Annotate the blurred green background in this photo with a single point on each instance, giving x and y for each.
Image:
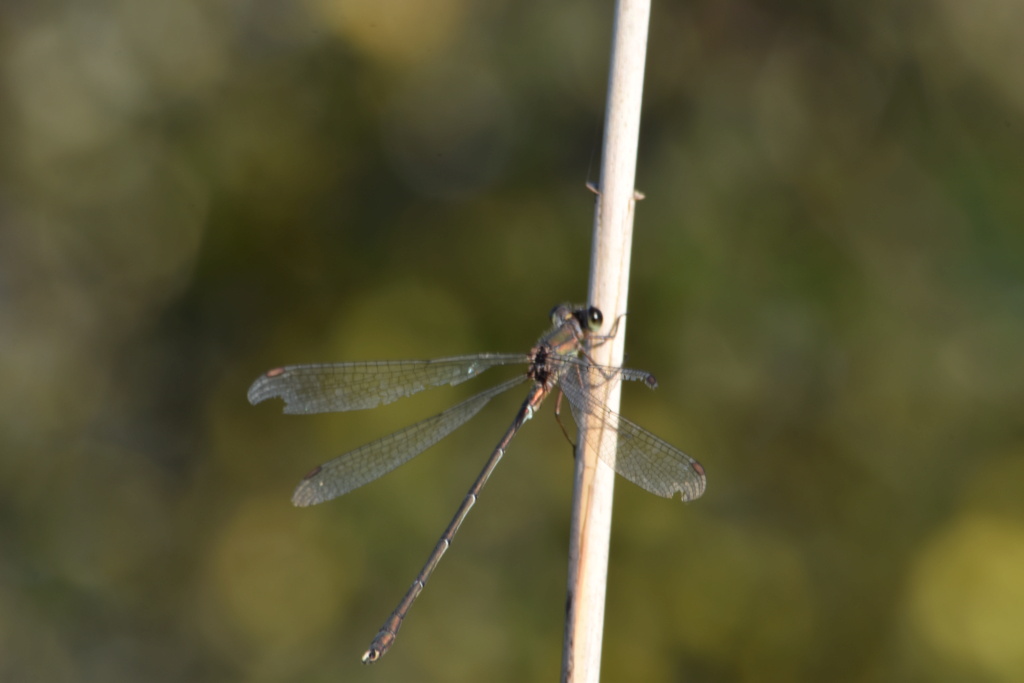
(827, 282)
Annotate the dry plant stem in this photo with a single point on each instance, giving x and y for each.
(609, 286)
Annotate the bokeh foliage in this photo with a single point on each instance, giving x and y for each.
(828, 282)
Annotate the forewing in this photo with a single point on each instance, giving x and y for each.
(639, 456)
(330, 387)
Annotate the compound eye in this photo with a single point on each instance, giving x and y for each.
(594, 319)
(558, 314)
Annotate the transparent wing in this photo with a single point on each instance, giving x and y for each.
(330, 387)
(640, 457)
(377, 458)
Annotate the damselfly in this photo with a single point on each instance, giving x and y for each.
(558, 360)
